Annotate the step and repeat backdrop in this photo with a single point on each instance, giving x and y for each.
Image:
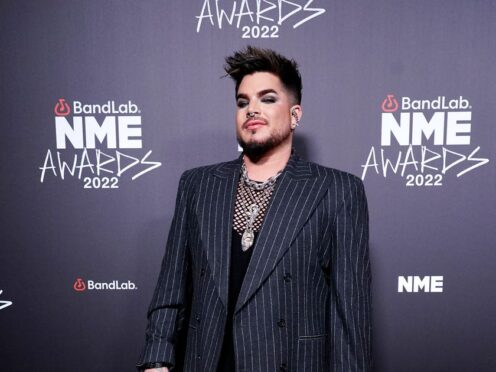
(105, 103)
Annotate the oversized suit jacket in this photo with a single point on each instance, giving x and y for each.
(304, 304)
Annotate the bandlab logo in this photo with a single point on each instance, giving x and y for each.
(90, 143)
(62, 108)
(79, 285)
(115, 285)
(390, 104)
(4, 304)
(431, 137)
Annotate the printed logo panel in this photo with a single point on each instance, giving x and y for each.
(416, 284)
(98, 144)
(424, 141)
(91, 285)
(257, 19)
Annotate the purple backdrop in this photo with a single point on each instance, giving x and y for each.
(104, 104)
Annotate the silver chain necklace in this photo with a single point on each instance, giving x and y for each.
(248, 236)
(258, 185)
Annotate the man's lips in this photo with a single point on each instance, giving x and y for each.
(254, 124)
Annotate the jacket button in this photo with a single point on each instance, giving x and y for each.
(283, 367)
(281, 323)
(202, 272)
(287, 277)
(197, 317)
(198, 356)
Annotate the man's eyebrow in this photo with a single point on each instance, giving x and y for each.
(260, 94)
(266, 91)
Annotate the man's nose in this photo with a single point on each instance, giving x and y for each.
(253, 107)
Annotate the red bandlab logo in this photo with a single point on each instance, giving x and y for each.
(79, 285)
(115, 285)
(62, 108)
(390, 104)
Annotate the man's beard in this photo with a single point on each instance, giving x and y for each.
(256, 149)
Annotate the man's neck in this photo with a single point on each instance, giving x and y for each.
(266, 166)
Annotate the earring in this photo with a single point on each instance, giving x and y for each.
(295, 115)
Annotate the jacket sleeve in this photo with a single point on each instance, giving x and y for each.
(166, 314)
(350, 316)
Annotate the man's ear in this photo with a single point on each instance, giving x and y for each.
(296, 114)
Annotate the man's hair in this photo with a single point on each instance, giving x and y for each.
(251, 59)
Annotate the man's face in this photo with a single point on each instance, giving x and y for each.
(263, 116)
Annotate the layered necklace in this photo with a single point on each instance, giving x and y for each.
(251, 203)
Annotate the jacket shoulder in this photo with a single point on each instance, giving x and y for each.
(194, 175)
(335, 176)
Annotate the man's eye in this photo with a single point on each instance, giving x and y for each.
(268, 99)
(241, 104)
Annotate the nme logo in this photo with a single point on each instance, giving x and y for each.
(115, 285)
(97, 143)
(446, 127)
(120, 128)
(423, 140)
(414, 284)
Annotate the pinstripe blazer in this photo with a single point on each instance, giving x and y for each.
(304, 304)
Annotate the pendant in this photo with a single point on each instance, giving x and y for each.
(247, 239)
(248, 235)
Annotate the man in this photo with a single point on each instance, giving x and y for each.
(266, 266)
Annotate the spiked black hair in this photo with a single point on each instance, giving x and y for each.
(251, 59)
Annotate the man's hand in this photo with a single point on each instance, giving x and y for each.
(161, 369)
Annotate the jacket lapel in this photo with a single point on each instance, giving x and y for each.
(215, 214)
(296, 195)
